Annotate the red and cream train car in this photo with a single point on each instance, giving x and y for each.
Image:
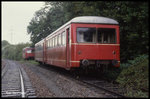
(82, 42)
(28, 53)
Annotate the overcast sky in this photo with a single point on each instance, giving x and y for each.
(15, 19)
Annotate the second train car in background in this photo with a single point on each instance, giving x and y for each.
(28, 53)
(86, 41)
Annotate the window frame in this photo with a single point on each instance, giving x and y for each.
(63, 38)
(96, 35)
(109, 36)
(95, 41)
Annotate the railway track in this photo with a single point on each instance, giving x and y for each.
(4, 69)
(15, 82)
(110, 89)
(97, 80)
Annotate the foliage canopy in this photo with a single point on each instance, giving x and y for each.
(132, 18)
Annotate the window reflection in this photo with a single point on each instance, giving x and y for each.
(86, 34)
(106, 35)
(99, 35)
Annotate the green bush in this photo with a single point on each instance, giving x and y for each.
(135, 76)
(13, 52)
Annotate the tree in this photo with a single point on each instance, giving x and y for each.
(13, 52)
(132, 18)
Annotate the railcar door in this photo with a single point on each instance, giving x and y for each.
(67, 48)
(44, 52)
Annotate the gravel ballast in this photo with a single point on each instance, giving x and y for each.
(49, 83)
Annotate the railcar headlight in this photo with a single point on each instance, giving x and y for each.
(85, 62)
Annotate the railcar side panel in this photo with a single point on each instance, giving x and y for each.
(39, 56)
(58, 55)
(39, 53)
(75, 50)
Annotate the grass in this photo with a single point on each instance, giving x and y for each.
(135, 79)
(29, 61)
(33, 62)
(133, 76)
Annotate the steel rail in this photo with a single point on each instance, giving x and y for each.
(22, 84)
(109, 91)
(4, 71)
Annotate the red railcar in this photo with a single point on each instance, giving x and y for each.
(86, 41)
(28, 53)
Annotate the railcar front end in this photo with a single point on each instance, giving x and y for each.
(95, 45)
(28, 53)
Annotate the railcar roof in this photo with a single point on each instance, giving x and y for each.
(87, 19)
(26, 47)
(93, 19)
(41, 41)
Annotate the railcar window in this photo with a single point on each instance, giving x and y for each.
(106, 35)
(47, 43)
(41, 46)
(28, 51)
(37, 47)
(86, 34)
(64, 38)
(56, 41)
(59, 40)
(50, 43)
(53, 41)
